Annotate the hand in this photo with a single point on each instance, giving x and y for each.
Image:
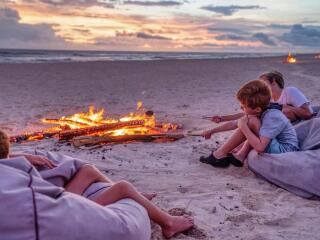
(38, 160)
(207, 134)
(216, 119)
(243, 122)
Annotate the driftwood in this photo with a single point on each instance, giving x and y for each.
(34, 136)
(95, 140)
(67, 121)
(67, 135)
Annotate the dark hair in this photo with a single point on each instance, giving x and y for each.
(254, 94)
(4, 145)
(274, 76)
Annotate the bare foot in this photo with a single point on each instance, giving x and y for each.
(149, 196)
(176, 225)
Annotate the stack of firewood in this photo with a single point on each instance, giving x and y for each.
(90, 136)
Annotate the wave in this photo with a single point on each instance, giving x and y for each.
(48, 56)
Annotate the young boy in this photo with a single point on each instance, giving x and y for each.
(263, 128)
(89, 174)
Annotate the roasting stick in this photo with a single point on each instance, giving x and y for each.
(193, 134)
(206, 118)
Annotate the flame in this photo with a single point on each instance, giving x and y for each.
(291, 59)
(96, 118)
(317, 56)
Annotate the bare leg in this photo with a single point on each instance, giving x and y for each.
(254, 125)
(170, 225)
(87, 175)
(148, 195)
(235, 140)
(243, 152)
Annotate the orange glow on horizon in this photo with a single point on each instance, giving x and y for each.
(88, 26)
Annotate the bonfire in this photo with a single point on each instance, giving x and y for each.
(92, 128)
(290, 58)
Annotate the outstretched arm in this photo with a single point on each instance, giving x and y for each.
(231, 125)
(225, 118)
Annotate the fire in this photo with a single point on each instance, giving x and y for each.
(95, 118)
(317, 56)
(290, 58)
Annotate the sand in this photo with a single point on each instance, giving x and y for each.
(227, 204)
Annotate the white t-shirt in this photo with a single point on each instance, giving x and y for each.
(294, 97)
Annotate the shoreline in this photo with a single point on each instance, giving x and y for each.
(282, 56)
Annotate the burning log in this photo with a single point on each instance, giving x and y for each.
(64, 122)
(67, 135)
(32, 136)
(95, 140)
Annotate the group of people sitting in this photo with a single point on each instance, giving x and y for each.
(264, 125)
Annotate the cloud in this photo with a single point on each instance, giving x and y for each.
(21, 35)
(232, 37)
(150, 36)
(238, 26)
(260, 37)
(77, 3)
(265, 39)
(142, 35)
(229, 10)
(237, 30)
(154, 3)
(279, 26)
(300, 35)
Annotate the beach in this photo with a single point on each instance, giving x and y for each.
(229, 203)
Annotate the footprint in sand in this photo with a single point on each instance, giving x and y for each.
(240, 218)
(251, 202)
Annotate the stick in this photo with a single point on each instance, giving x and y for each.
(94, 140)
(67, 135)
(34, 135)
(207, 118)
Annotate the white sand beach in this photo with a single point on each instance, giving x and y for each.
(226, 203)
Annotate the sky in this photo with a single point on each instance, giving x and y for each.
(155, 25)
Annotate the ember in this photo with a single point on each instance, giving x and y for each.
(290, 58)
(95, 128)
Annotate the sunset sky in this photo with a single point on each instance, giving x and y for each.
(176, 25)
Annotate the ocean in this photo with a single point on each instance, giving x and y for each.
(50, 56)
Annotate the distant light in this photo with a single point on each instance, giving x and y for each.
(290, 59)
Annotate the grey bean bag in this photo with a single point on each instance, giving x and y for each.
(33, 205)
(297, 172)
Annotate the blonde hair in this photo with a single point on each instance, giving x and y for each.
(274, 76)
(255, 94)
(4, 145)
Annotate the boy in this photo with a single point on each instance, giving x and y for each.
(263, 128)
(88, 174)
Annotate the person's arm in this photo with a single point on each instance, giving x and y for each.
(257, 143)
(231, 125)
(36, 160)
(293, 113)
(225, 118)
(298, 106)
